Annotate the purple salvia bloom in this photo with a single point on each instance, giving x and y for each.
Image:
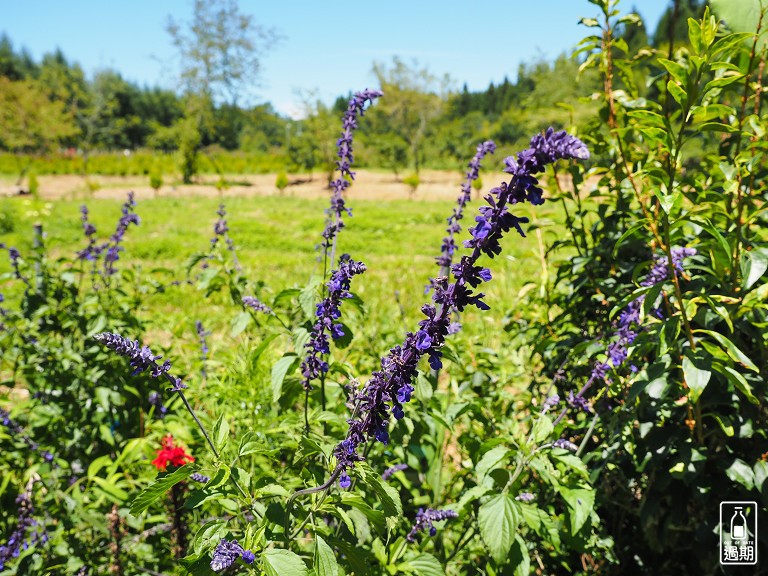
(313, 366)
(355, 109)
(449, 246)
(221, 230)
(141, 357)
(396, 468)
(15, 256)
(390, 387)
(15, 429)
(424, 520)
(225, 555)
(565, 444)
(525, 497)
(578, 402)
(26, 533)
(345, 481)
(92, 251)
(202, 335)
(113, 246)
(197, 477)
(249, 557)
(550, 403)
(256, 304)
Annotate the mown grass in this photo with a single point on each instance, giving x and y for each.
(276, 239)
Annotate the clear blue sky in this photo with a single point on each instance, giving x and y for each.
(327, 46)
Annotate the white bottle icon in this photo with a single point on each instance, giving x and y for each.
(738, 525)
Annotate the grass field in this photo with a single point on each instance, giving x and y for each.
(276, 238)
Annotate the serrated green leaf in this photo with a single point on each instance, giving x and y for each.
(220, 477)
(308, 298)
(208, 535)
(542, 429)
(325, 560)
(519, 557)
(424, 565)
(163, 483)
(498, 518)
(678, 93)
(279, 562)
(388, 495)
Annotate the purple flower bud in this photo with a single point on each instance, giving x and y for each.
(424, 520)
(525, 497)
(565, 445)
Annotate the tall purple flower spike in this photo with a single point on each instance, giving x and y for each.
(391, 387)
(113, 246)
(313, 366)
(448, 247)
(424, 520)
(335, 223)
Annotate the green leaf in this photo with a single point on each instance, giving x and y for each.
(678, 93)
(279, 562)
(284, 365)
(208, 535)
(221, 432)
(308, 297)
(754, 265)
(735, 354)
(163, 483)
(389, 496)
(580, 503)
(741, 473)
(424, 565)
(697, 370)
(240, 323)
(220, 477)
(423, 388)
(740, 15)
(494, 458)
(110, 488)
(519, 557)
(542, 429)
(498, 518)
(716, 127)
(325, 560)
(677, 71)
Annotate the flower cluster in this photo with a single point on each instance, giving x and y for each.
(618, 350)
(425, 519)
(355, 109)
(221, 230)
(113, 246)
(313, 366)
(448, 247)
(201, 478)
(226, 553)
(92, 251)
(256, 304)
(141, 357)
(171, 455)
(26, 533)
(15, 256)
(391, 470)
(202, 335)
(16, 430)
(390, 387)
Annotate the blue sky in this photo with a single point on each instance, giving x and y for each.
(328, 47)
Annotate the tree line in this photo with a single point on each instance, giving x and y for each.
(51, 105)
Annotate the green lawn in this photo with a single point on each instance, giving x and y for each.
(276, 239)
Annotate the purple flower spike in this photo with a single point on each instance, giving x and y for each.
(448, 247)
(141, 357)
(355, 109)
(225, 555)
(396, 468)
(424, 520)
(525, 497)
(256, 304)
(565, 445)
(391, 386)
(113, 246)
(313, 366)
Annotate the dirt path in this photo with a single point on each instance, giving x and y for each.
(436, 185)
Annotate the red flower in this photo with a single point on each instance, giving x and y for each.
(171, 455)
